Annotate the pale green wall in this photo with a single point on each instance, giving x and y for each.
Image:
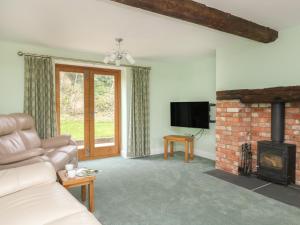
(11, 81)
(172, 80)
(248, 64)
(187, 80)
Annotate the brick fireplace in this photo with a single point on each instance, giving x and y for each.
(248, 120)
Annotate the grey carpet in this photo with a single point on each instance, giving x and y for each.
(152, 191)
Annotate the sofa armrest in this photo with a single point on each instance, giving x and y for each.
(16, 157)
(57, 141)
(16, 179)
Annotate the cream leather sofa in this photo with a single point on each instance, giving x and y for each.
(30, 195)
(20, 144)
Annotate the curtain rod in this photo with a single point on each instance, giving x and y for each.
(20, 53)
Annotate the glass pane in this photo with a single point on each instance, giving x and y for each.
(271, 160)
(72, 105)
(104, 87)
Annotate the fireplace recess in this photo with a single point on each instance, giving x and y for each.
(276, 160)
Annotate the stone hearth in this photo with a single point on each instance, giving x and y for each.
(238, 123)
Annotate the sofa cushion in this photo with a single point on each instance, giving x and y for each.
(30, 138)
(26, 129)
(11, 143)
(7, 125)
(16, 157)
(16, 179)
(38, 205)
(24, 121)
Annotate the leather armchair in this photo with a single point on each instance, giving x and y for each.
(20, 144)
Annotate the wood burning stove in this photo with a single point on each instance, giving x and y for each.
(276, 160)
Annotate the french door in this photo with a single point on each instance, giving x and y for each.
(88, 108)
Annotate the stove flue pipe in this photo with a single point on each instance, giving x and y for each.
(278, 122)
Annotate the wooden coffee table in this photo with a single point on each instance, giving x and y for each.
(77, 182)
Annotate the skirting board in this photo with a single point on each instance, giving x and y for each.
(159, 151)
(153, 152)
(207, 155)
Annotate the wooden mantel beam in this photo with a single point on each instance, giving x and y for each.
(201, 14)
(267, 95)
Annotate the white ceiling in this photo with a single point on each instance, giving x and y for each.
(92, 25)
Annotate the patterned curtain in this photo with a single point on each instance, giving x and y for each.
(139, 129)
(39, 96)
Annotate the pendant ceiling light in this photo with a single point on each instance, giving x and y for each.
(118, 55)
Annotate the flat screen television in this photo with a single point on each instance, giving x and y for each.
(190, 114)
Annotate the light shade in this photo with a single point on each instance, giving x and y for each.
(106, 60)
(113, 57)
(129, 58)
(118, 62)
(118, 55)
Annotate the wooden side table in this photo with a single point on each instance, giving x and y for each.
(188, 146)
(79, 181)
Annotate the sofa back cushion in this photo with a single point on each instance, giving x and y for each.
(11, 144)
(26, 129)
(30, 138)
(10, 140)
(7, 125)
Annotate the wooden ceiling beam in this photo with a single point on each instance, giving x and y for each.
(201, 14)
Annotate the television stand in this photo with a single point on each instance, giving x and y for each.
(188, 146)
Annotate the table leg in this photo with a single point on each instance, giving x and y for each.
(91, 197)
(172, 149)
(186, 152)
(192, 149)
(166, 149)
(83, 193)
